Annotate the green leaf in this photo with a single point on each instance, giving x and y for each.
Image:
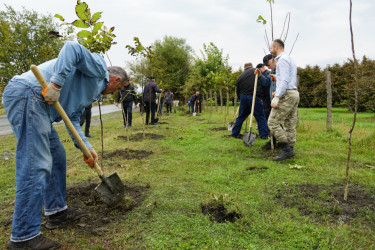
(84, 33)
(261, 20)
(60, 17)
(80, 24)
(83, 11)
(95, 17)
(97, 28)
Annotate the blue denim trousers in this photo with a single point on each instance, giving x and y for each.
(40, 161)
(244, 112)
(128, 112)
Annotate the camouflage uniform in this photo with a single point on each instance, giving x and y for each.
(285, 114)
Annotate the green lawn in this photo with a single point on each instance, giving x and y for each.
(193, 162)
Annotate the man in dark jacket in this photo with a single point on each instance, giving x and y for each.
(199, 101)
(168, 99)
(127, 96)
(86, 117)
(149, 99)
(245, 90)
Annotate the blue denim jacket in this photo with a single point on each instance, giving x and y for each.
(82, 76)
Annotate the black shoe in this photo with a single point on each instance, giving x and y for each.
(264, 137)
(39, 242)
(267, 146)
(152, 123)
(89, 136)
(286, 153)
(64, 217)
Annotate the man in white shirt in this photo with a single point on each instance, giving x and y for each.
(285, 102)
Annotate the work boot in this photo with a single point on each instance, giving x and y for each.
(39, 242)
(63, 218)
(286, 153)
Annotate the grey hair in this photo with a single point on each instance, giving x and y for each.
(118, 71)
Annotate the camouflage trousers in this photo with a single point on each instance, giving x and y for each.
(286, 115)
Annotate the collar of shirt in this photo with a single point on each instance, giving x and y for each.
(280, 55)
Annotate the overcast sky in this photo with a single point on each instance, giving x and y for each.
(323, 26)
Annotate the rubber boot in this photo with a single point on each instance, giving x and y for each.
(286, 153)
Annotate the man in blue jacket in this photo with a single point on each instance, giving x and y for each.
(76, 79)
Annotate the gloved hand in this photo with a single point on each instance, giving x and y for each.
(116, 104)
(273, 94)
(275, 102)
(273, 77)
(51, 93)
(257, 71)
(89, 161)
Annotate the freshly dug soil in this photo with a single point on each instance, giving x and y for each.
(139, 137)
(326, 202)
(218, 129)
(257, 169)
(219, 213)
(82, 196)
(123, 153)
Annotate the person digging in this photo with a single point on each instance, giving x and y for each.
(76, 79)
(149, 99)
(285, 102)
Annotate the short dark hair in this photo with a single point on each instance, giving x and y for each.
(259, 65)
(152, 77)
(266, 59)
(279, 42)
(248, 64)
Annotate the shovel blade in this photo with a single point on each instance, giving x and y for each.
(112, 190)
(249, 139)
(230, 126)
(194, 114)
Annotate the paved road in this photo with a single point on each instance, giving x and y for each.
(5, 128)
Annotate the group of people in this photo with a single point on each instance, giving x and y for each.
(76, 79)
(276, 99)
(194, 103)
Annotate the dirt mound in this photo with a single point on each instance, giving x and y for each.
(219, 213)
(123, 153)
(326, 202)
(139, 137)
(83, 196)
(218, 129)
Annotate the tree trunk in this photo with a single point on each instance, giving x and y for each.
(227, 101)
(221, 100)
(329, 100)
(211, 98)
(207, 101)
(216, 108)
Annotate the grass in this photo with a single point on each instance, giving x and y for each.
(194, 162)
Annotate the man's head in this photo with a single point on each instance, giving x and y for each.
(248, 65)
(267, 61)
(118, 78)
(169, 91)
(277, 47)
(152, 78)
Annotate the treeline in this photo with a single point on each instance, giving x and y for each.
(25, 39)
(312, 85)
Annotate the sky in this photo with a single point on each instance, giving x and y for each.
(322, 26)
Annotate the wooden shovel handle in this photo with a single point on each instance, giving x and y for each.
(66, 119)
(253, 104)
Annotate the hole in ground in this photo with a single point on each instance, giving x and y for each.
(219, 213)
(139, 137)
(123, 153)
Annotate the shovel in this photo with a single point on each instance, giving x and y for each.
(249, 138)
(111, 189)
(231, 124)
(194, 113)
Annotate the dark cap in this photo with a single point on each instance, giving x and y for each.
(266, 59)
(259, 65)
(152, 78)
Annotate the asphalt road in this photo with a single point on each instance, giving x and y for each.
(5, 128)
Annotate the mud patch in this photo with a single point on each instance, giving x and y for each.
(123, 154)
(219, 213)
(326, 202)
(139, 137)
(82, 196)
(218, 129)
(257, 169)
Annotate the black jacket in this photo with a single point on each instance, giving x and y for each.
(245, 83)
(151, 86)
(128, 93)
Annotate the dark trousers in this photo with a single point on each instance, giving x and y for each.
(199, 106)
(267, 106)
(86, 116)
(127, 115)
(147, 108)
(244, 112)
(169, 107)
